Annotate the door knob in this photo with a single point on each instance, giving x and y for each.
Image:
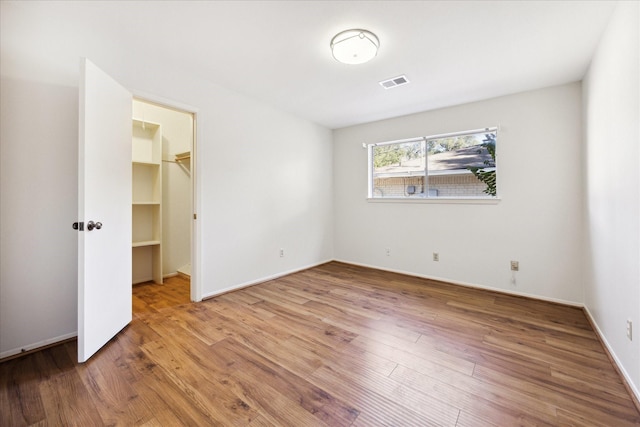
(91, 225)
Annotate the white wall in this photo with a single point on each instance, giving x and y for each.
(537, 222)
(264, 183)
(177, 137)
(38, 204)
(612, 202)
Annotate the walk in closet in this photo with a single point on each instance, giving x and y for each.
(162, 192)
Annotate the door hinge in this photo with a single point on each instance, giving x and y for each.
(195, 216)
(78, 226)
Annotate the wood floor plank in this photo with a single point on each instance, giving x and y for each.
(475, 397)
(162, 400)
(110, 390)
(334, 345)
(191, 377)
(201, 325)
(339, 318)
(306, 328)
(466, 419)
(544, 353)
(150, 297)
(250, 303)
(261, 421)
(64, 397)
(431, 408)
(436, 365)
(20, 397)
(563, 396)
(374, 408)
(252, 367)
(341, 299)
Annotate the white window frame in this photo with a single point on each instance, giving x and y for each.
(426, 198)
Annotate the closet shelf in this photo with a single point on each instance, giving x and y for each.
(183, 156)
(137, 162)
(145, 243)
(146, 200)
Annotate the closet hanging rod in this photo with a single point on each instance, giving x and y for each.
(183, 156)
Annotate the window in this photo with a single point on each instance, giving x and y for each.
(456, 165)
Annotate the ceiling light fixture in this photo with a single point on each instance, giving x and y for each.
(354, 46)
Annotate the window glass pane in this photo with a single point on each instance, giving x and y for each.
(462, 166)
(399, 169)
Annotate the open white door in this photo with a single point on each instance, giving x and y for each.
(104, 197)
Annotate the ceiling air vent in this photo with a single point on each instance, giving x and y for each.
(394, 82)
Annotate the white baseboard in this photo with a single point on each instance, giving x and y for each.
(468, 285)
(37, 345)
(261, 280)
(629, 381)
(141, 280)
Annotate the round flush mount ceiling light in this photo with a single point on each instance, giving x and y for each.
(354, 46)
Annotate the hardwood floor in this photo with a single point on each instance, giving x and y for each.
(151, 298)
(335, 345)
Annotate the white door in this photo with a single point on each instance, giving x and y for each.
(104, 196)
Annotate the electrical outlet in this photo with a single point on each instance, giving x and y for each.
(630, 329)
(281, 253)
(436, 256)
(515, 266)
(388, 251)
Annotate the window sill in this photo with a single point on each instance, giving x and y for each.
(438, 200)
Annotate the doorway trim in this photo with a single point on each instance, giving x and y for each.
(196, 285)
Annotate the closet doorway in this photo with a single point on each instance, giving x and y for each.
(163, 151)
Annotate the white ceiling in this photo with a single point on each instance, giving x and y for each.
(453, 52)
